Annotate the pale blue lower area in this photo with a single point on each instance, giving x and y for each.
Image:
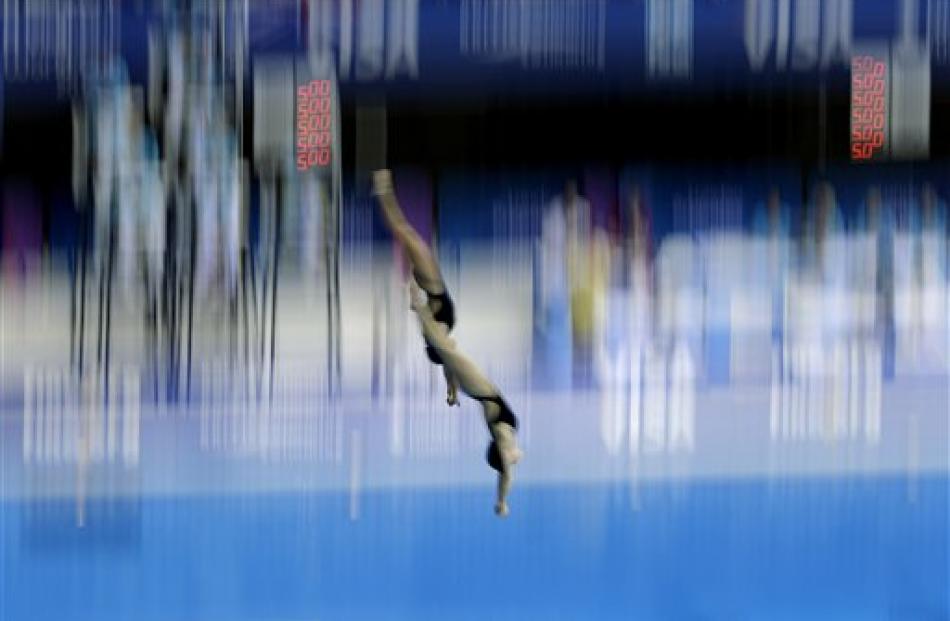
(794, 548)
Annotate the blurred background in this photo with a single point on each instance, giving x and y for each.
(699, 245)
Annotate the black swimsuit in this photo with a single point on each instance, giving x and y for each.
(445, 315)
(493, 456)
(506, 415)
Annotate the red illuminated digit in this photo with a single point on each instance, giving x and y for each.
(878, 139)
(323, 139)
(323, 156)
(856, 151)
(322, 105)
(312, 157)
(878, 70)
(323, 122)
(324, 88)
(878, 86)
(878, 104)
(878, 121)
(302, 161)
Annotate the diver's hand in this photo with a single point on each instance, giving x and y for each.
(501, 509)
(417, 301)
(382, 182)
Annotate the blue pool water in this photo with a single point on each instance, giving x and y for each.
(802, 548)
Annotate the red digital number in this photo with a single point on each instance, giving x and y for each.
(313, 124)
(321, 105)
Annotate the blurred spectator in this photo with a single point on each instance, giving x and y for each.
(565, 299)
(22, 236)
(772, 219)
(933, 232)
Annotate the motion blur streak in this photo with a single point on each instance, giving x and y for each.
(701, 248)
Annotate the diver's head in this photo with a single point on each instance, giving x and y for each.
(503, 451)
(493, 457)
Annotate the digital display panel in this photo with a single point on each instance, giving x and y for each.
(314, 124)
(869, 112)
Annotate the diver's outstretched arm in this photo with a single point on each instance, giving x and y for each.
(504, 485)
(506, 443)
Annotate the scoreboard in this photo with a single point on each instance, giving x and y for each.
(890, 102)
(314, 124)
(869, 92)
